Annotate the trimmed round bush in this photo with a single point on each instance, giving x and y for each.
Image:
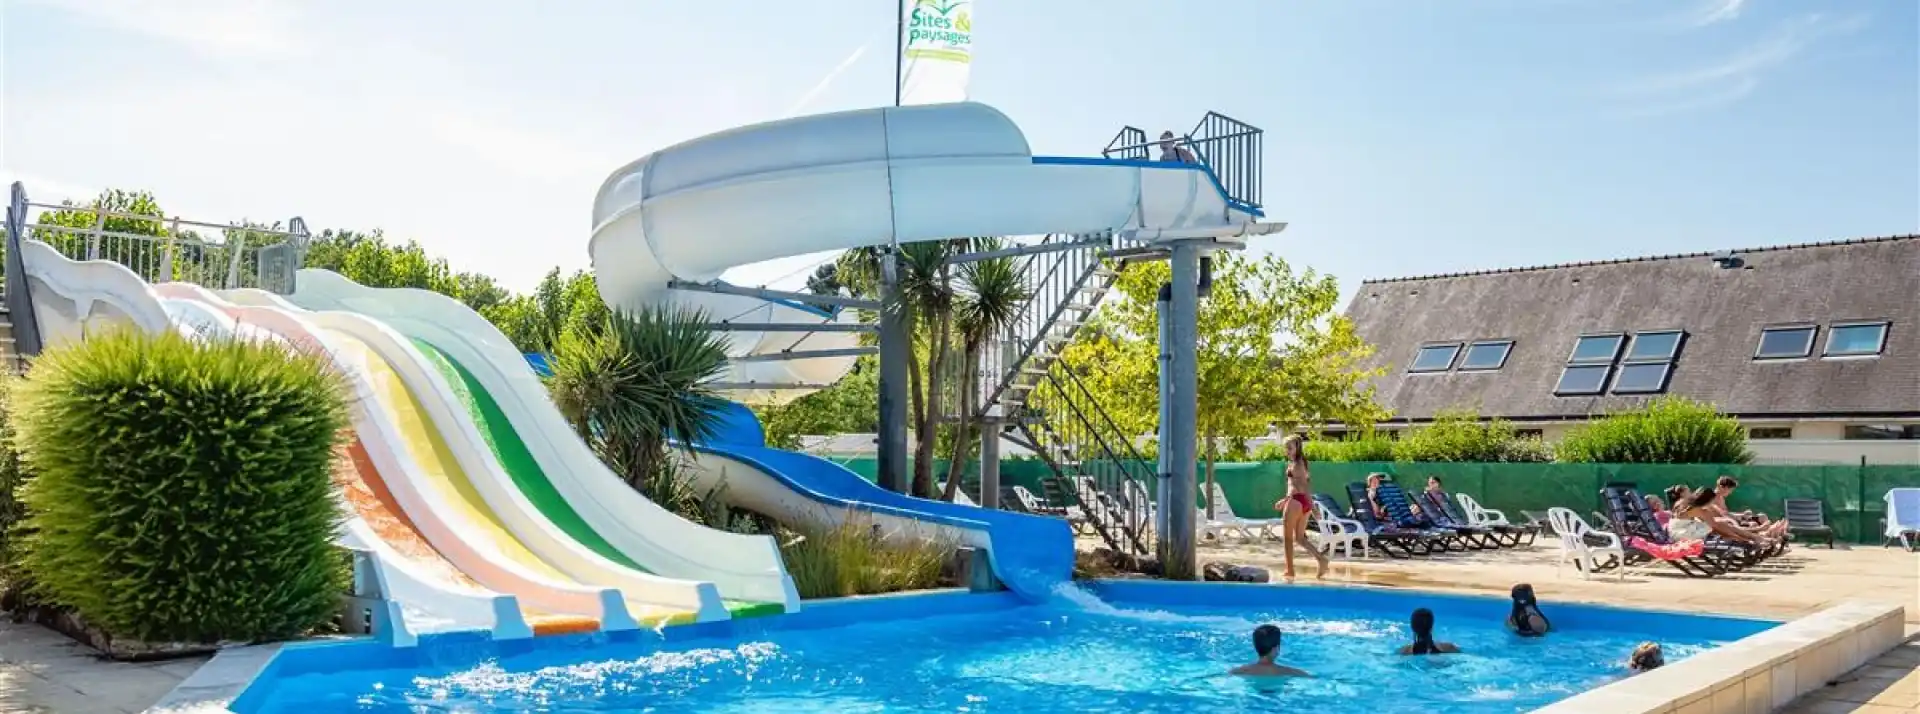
(182, 487)
(1669, 430)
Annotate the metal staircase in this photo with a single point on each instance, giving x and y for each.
(1021, 376)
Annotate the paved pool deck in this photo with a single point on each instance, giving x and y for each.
(43, 672)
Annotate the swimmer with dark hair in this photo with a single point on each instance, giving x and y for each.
(1526, 620)
(1266, 644)
(1423, 643)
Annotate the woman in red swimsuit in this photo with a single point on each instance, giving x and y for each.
(1298, 504)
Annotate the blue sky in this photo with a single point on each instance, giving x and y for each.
(1403, 136)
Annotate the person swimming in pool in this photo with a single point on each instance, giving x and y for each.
(1266, 644)
(1423, 643)
(1646, 658)
(1298, 506)
(1526, 620)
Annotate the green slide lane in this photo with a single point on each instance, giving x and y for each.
(532, 481)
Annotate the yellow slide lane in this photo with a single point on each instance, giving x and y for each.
(443, 481)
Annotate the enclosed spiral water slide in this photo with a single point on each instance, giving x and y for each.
(667, 225)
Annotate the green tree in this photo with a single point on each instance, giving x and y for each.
(847, 407)
(925, 282)
(993, 292)
(630, 385)
(1271, 353)
(1667, 430)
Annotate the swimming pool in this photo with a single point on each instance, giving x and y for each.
(1137, 647)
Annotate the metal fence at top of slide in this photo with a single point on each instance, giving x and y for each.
(162, 248)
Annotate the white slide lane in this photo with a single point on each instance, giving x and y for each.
(420, 603)
(73, 297)
(743, 567)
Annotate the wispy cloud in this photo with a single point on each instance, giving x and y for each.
(1715, 11)
(228, 28)
(1717, 97)
(1735, 76)
(821, 86)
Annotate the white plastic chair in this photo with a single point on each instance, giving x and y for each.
(1247, 527)
(1575, 549)
(1478, 515)
(1903, 517)
(1340, 533)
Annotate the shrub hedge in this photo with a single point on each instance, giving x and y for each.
(182, 487)
(1669, 430)
(12, 477)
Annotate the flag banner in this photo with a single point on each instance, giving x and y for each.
(937, 53)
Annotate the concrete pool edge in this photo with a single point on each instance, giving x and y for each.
(213, 688)
(1760, 673)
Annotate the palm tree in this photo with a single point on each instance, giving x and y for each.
(925, 282)
(996, 292)
(637, 382)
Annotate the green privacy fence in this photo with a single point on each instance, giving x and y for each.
(1853, 494)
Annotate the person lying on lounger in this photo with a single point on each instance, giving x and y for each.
(1696, 517)
(1748, 519)
(1266, 644)
(1423, 643)
(1373, 494)
(1659, 509)
(1526, 620)
(1645, 658)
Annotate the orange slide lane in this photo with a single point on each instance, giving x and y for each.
(363, 487)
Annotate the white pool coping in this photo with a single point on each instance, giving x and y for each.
(212, 689)
(1757, 674)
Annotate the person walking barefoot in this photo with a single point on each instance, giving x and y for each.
(1298, 504)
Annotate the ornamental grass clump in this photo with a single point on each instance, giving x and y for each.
(181, 487)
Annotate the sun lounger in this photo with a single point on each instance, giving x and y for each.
(1032, 504)
(1903, 517)
(1574, 548)
(1102, 513)
(959, 495)
(1433, 508)
(1469, 512)
(1808, 517)
(1400, 511)
(1395, 541)
(1249, 527)
(1644, 539)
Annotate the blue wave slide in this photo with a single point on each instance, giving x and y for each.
(1030, 554)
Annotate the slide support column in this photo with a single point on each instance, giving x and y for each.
(896, 358)
(990, 461)
(1183, 407)
(1163, 464)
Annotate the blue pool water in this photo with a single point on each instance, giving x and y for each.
(1145, 648)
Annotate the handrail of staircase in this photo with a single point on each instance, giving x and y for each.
(19, 299)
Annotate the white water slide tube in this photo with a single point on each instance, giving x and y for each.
(744, 568)
(864, 178)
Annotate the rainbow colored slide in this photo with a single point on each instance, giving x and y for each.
(466, 531)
